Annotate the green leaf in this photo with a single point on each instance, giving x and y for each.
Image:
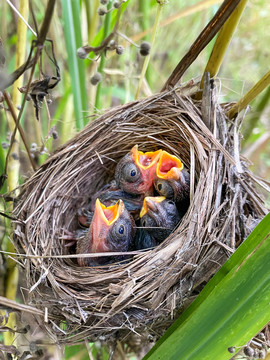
(232, 308)
(73, 39)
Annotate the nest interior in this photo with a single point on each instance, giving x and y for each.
(144, 294)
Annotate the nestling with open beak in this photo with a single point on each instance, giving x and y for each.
(159, 217)
(135, 171)
(112, 229)
(171, 179)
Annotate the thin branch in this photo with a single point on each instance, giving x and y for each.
(40, 41)
(15, 118)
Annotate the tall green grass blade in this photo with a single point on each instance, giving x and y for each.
(232, 308)
(73, 40)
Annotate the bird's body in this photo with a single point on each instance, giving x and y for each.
(159, 217)
(144, 240)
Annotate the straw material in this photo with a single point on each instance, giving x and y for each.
(145, 293)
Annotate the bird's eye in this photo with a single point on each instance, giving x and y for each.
(164, 188)
(121, 229)
(170, 202)
(130, 173)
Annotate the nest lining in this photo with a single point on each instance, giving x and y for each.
(145, 293)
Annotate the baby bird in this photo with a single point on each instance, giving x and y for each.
(171, 179)
(159, 217)
(112, 229)
(135, 171)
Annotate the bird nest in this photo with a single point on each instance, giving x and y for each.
(143, 294)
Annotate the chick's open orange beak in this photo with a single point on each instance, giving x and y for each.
(103, 219)
(149, 204)
(145, 160)
(169, 166)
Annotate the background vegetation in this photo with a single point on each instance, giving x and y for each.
(75, 101)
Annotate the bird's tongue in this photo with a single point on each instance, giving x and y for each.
(167, 166)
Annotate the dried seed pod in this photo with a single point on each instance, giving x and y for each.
(116, 4)
(119, 50)
(261, 336)
(104, 2)
(15, 156)
(82, 53)
(102, 11)
(33, 147)
(145, 48)
(5, 145)
(96, 78)
(112, 45)
(55, 135)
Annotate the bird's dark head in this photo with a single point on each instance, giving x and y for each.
(171, 179)
(159, 216)
(135, 171)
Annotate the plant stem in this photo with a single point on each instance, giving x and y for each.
(14, 166)
(147, 58)
(144, 9)
(250, 96)
(106, 32)
(92, 25)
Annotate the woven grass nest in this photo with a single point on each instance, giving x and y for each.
(142, 295)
